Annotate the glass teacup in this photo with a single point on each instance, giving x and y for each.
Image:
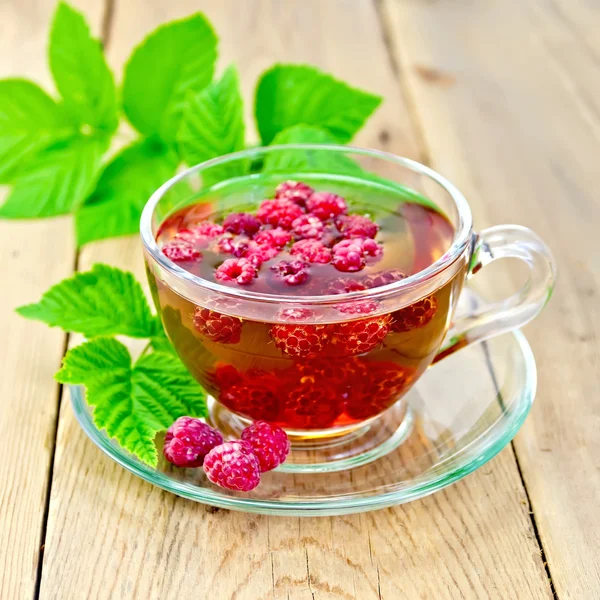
(339, 397)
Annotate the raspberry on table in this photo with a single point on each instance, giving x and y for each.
(358, 337)
(383, 278)
(216, 326)
(300, 341)
(240, 270)
(351, 226)
(292, 272)
(181, 251)
(295, 191)
(308, 226)
(415, 316)
(326, 205)
(188, 441)
(245, 223)
(277, 237)
(233, 466)
(270, 444)
(312, 250)
(279, 212)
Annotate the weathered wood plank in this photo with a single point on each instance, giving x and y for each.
(473, 540)
(35, 254)
(508, 94)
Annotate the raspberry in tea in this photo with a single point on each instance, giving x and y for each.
(300, 371)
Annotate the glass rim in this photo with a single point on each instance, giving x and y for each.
(460, 240)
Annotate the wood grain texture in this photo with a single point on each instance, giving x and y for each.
(110, 535)
(34, 255)
(519, 131)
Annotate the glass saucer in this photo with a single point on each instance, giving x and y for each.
(463, 411)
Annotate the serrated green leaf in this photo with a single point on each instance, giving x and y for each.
(80, 71)
(133, 403)
(29, 121)
(115, 206)
(316, 161)
(56, 180)
(174, 60)
(100, 302)
(289, 95)
(213, 121)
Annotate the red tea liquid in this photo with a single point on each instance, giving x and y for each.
(258, 369)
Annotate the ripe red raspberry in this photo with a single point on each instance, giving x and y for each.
(216, 326)
(276, 237)
(352, 226)
(295, 191)
(312, 250)
(295, 314)
(208, 229)
(300, 341)
(181, 251)
(326, 205)
(358, 337)
(414, 316)
(241, 223)
(260, 253)
(278, 213)
(349, 255)
(270, 444)
(200, 234)
(345, 286)
(362, 307)
(308, 226)
(293, 272)
(188, 441)
(312, 406)
(254, 397)
(383, 278)
(233, 245)
(240, 270)
(232, 465)
(226, 375)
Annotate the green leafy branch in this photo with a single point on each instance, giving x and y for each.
(53, 152)
(132, 400)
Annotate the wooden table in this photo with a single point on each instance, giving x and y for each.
(502, 97)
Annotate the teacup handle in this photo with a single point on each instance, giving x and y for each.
(494, 243)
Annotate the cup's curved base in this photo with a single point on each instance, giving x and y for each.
(329, 451)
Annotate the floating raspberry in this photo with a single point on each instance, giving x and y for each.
(233, 245)
(358, 337)
(349, 255)
(277, 237)
(240, 270)
(345, 286)
(312, 406)
(293, 272)
(414, 316)
(326, 205)
(270, 444)
(201, 234)
(312, 250)
(254, 397)
(232, 465)
(295, 314)
(300, 341)
(363, 307)
(383, 278)
(226, 375)
(308, 226)
(260, 253)
(241, 223)
(181, 251)
(295, 191)
(188, 441)
(278, 213)
(216, 326)
(207, 229)
(356, 226)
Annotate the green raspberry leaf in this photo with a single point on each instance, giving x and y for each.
(29, 121)
(289, 95)
(317, 161)
(133, 402)
(80, 71)
(103, 301)
(174, 60)
(57, 179)
(213, 121)
(115, 206)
